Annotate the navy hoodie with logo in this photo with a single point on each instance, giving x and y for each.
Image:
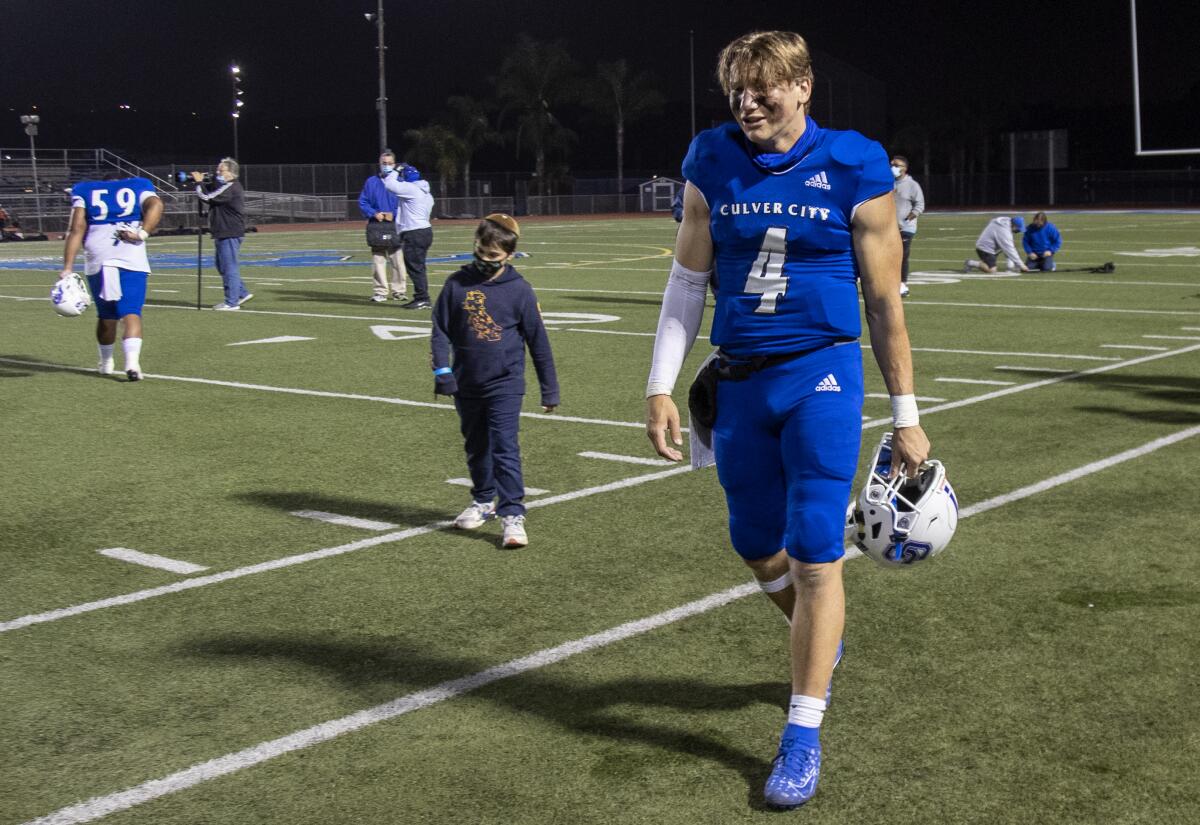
(486, 325)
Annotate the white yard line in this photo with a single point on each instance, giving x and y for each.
(1045, 382)
(975, 381)
(100, 806)
(626, 459)
(345, 521)
(1032, 369)
(1173, 337)
(466, 482)
(1133, 346)
(278, 339)
(326, 394)
(301, 558)
(1025, 307)
(185, 568)
(1019, 354)
(921, 398)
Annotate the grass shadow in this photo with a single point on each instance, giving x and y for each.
(587, 708)
(392, 512)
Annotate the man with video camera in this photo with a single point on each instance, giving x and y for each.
(226, 220)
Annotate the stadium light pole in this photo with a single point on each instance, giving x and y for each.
(235, 73)
(381, 101)
(31, 128)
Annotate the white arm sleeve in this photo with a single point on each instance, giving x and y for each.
(678, 325)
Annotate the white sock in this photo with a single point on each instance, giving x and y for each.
(133, 351)
(973, 265)
(106, 352)
(806, 711)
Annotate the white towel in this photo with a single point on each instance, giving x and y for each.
(111, 290)
(699, 436)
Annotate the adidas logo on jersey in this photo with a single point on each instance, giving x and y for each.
(818, 181)
(829, 384)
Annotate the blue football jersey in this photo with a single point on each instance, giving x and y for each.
(111, 206)
(784, 269)
(112, 201)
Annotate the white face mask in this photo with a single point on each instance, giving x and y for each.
(386, 168)
(897, 171)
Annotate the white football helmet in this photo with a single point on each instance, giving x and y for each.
(903, 521)
(70, 296)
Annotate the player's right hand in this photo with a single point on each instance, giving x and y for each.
(662, 418)
(64, 274)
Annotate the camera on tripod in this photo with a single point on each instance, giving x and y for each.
(185, 178)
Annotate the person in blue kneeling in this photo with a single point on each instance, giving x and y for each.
(1042, 241)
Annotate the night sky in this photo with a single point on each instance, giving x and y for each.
(310, 72)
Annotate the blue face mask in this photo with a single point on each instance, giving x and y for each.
(220, 178)
(386, 168)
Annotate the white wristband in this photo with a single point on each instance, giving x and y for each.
(904, 411)
(143, 234)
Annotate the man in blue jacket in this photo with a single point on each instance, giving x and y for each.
(379, 205)
(1042, 241)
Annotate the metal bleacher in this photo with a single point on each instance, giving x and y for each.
(35, 190)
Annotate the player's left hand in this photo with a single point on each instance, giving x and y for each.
(910, 447)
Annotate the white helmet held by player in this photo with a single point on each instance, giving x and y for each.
(70, 296)
(902, 521)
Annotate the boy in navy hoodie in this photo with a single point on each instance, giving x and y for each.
(486, 314)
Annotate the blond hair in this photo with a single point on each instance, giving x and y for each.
(760, 60)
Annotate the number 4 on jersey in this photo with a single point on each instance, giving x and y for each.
(766, 276)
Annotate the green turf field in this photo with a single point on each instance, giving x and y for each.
(618, 670)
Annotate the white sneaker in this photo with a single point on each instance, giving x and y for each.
(224, 307)
(903, 289)
(514, 531)
(379, 299)
(106, 367)
(475, 515)
(399, 296)
(966, 266)
(245, 298)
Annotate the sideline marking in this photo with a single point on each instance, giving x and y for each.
(1133, 346)
(278, 339)
(345, 521)
(1173, 337)
(1032, 369)
(627, 459)
(975, 381)
(185, 568)
(101, 806)
(466, 482)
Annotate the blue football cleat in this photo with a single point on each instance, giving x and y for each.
(794, 774)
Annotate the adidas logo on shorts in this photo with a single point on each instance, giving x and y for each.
(829, 384)
(818, 181)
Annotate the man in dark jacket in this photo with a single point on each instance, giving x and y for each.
(486, 314)
(226, 219)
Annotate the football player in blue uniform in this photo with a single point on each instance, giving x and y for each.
(111, 220)
(782, 219)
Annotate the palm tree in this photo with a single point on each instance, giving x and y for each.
(623, 97)
(468, 118)
(535, 79)
(438, 146)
